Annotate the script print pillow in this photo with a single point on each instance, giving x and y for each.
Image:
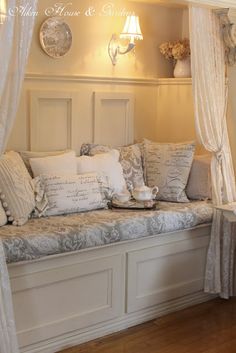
(73, 193)
(130, 160)
(167, 166)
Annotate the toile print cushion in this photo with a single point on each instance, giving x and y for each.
(16, 189)
(168, 165)
(130, 160)
(73, 193)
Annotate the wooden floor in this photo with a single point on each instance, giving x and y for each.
(205, 328)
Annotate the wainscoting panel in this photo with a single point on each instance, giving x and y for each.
(52, 120)
(113, 118)
(52, 301)
(161, 273)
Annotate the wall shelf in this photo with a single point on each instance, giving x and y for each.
(174, 81)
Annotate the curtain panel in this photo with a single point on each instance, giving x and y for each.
(210, 105)
(15, 38)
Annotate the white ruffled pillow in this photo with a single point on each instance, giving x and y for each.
(63, 164)
(107, 164)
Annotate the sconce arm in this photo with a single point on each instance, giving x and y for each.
(114, 49)
(126, 50)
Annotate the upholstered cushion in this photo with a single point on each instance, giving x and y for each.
(73, 193)
(64, 164)
(130, 159)
(17, 194)
(3, 217)
(107, 164)
(199, 183)
(167, 165)
(26, 155)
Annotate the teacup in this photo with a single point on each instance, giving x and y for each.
(122, 197)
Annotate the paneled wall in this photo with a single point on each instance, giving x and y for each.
(60, 93)
(62, 102)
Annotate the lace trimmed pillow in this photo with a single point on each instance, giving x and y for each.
(167, 165)
(130, 160)
(16, 189)
(64, 194)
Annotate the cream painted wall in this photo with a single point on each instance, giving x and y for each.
(91, 34)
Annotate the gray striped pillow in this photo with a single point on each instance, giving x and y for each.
(3, 217)
(16, 189)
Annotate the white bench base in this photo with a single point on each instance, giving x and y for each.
(67, 299)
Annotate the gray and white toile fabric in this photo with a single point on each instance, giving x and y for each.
(210, 102)
(59, 234)
(15, 39)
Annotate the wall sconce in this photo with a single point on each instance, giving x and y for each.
(3, 11)
(130, 31)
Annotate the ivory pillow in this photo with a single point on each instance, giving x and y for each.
(64, 164)
(16, 190)
(107, 164)
(167, 165)
(199, 183)
(73, 193)
(26, 155)
(3, 217)
(130, 160)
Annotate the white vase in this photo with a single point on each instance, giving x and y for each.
(183, 68)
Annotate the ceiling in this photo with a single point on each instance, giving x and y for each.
(179, 3)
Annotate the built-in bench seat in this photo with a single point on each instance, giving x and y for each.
(107, 270)
(60, 234)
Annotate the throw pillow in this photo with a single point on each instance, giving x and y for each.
(64, 164)
(73, 193)
(199, 183)
(167, 165)
(16, 190)
(26, 155)
(3, 217)
(107, 164)
(130, 160)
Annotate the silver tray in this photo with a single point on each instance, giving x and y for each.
(134, 205)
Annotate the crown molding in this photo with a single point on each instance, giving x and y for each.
(211, 3)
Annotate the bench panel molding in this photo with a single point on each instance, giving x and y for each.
(105, 289)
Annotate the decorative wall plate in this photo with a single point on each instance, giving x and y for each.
(55, 37)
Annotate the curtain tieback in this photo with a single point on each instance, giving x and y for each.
(219, 156)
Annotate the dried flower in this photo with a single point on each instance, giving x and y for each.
(177, 50)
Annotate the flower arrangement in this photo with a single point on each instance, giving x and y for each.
(176, 50)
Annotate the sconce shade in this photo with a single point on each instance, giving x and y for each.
(3, 10)
(131, 29)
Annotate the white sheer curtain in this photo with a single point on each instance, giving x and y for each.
(15, 39)
(210, 103)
